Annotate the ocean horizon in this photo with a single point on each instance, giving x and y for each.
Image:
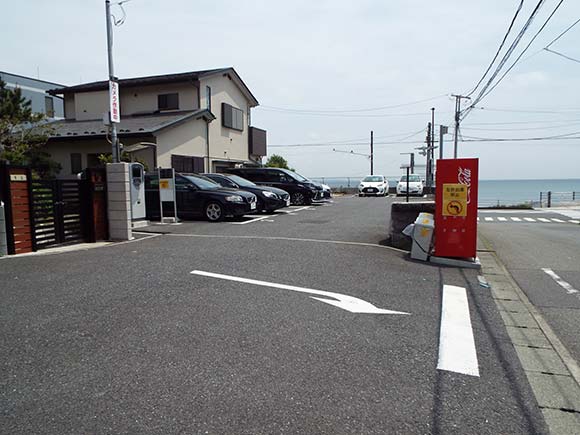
(497, 191)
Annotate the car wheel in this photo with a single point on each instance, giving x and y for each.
(214, 212)
(298, 198)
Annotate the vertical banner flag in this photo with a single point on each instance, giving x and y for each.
(115, 108)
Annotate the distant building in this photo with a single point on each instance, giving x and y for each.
(198, 121)
(36, 91)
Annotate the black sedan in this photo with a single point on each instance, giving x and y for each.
(269, 198)
(198, 196)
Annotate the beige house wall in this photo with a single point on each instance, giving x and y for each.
(225, 143)
(144, 99)
(69, 106)
(186, 139)
(91, 105)
(60, 151)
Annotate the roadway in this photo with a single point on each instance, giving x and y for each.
(541, 250)
(342, 335)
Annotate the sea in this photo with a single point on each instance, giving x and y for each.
(499, 192)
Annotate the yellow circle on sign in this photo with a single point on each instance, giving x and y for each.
(164, 184)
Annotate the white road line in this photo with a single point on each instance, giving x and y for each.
(294, 210)
(557, 220)
(529, 219)
(566, 286)
(574, 221)
(544, 220)
(502, 219)
(346, 302)
(250, 221)
(488, 219)
(515, 219)
(457, 351)
(477, 218)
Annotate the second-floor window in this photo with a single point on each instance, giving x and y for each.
(168, 101)
(232, 117)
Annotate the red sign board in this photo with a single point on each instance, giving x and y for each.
(456, 208)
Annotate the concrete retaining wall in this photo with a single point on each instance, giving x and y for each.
(403, 214)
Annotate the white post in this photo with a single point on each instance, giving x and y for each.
(3, 241)
(119, 201)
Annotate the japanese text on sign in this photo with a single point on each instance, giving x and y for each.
(454, 200)
(114, 101)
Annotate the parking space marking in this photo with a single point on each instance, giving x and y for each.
(544, 220)
(346, 302)
(557, 220)
(250, 221)
(574, 221)
(565, 285)
(515, 219)
(488, 219)
(457, 351)
(529, 219)
(502, 219)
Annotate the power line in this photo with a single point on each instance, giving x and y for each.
(342, 115)
(345, 111)
(558, 136)
(521, 129)
(563, 33)
(522, 122)
(546, 111)
(524, 50)
(499, 48)
(407, 135)
(562, 55)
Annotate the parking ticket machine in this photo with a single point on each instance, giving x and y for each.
(137, 181)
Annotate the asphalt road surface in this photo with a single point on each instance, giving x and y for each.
(543, 256)
(124, 339)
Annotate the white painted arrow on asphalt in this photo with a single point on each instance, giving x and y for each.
(348, 303)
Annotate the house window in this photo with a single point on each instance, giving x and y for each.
(49, 107)
(76, 163)
(168, 101)
(187, 164)
(232, 117)
(208, 97)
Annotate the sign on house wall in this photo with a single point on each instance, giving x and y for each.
(115, 108)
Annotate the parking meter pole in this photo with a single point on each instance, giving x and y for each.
(407, 184)
(174, 200)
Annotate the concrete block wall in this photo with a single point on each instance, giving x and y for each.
(403, 214)
(119, 201)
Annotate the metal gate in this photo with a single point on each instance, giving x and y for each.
(57, 212)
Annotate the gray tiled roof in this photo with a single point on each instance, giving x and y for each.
(139, 81)
(133, 125)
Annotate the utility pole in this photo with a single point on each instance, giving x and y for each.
(114, 138)
(372, 154)
(443, 129)
(431, 151)
(428, 140)
(457, 112)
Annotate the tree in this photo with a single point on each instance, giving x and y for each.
(276, 161)
(23, 134)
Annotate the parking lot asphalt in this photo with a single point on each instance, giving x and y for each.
(125, 339)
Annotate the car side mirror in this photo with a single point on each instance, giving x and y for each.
(190, 187)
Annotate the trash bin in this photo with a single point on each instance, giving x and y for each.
(422, 236)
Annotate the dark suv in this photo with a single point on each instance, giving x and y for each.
(270, 199)
(198, 196)
(301, 190)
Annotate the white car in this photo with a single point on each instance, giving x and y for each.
(373, 185)
(415, 185)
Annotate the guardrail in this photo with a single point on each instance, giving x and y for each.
(548, 199)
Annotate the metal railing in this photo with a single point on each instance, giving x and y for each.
(549, 199)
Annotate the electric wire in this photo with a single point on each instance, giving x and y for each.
(499, 48)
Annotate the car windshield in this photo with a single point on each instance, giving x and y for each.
(296, 176)
(202, 182)
(241, 181)
(373, 179)
(412, 178)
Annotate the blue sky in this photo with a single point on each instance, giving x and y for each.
(341, 57)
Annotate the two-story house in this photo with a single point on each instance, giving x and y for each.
(194, 122)
(35, 91)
